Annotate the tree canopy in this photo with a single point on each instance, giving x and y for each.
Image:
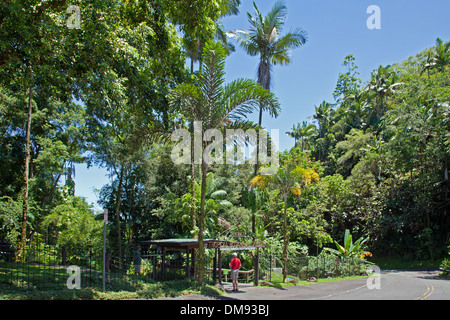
(372, 163)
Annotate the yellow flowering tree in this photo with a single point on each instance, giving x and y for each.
(289, 179)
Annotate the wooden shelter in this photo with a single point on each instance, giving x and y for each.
(189, 245)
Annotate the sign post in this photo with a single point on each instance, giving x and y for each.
(105, 220)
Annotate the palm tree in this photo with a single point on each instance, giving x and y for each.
(442, 54)
(212, 102)
(382, 84)
(294, 133)
(290, 179)
(305, 132)
(301, 132)
(429, 64)
(264, 39)
(323, 115)
(356, 105)
(254, 200)
(193, 51)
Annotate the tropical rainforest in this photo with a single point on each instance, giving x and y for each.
(111, 93)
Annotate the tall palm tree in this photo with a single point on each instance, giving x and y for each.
(442, 54)
(305, 132)
(383, 83)
(294, 133)
(355, 106)
(428, 64)
(301, 132)
(212, 102)
(194, 52)
(290, 179)
(325, 119)
(323, 115)
(264, 39)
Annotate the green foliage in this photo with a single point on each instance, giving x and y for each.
(445, 264)
(264, 39)
(211, 101)
(75, 224)
(388, 139)
(349, 249)
(175, 211)
(10, 219)
(352, 150)
(111, 93)
(348, 82)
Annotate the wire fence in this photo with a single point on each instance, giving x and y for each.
(314, 267)
(47, 267)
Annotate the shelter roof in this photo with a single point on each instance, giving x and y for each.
(193, 243)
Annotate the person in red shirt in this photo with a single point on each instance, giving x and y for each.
(235, 265)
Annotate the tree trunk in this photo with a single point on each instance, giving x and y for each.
(264, 81)
(285, 242)
(191, 125)
(201, 223)
(26, 171)
(117, 215)
(193, 211)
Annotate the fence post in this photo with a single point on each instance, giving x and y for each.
(105, 220)
(90, 266)
(214, 265)
(256, 274)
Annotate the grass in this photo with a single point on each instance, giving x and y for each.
(142, 290)
(36, 282)
(277, 280)
(43, 282)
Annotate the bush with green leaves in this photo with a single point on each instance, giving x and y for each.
(349, 249)
(445, 264)
(74, 224)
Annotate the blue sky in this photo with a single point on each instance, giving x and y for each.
(335, 29)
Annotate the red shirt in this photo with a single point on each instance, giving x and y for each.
(235, 263)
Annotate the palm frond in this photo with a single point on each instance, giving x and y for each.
(229, 7)
(243, 96)
(186, 98)
(212, 76)
(276, 16)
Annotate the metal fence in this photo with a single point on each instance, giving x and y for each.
(46, 267)
(314, 267)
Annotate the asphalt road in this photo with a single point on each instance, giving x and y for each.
(392, 285)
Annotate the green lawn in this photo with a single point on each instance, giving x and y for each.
(277, 280)
(142, 290)
(25, 282)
